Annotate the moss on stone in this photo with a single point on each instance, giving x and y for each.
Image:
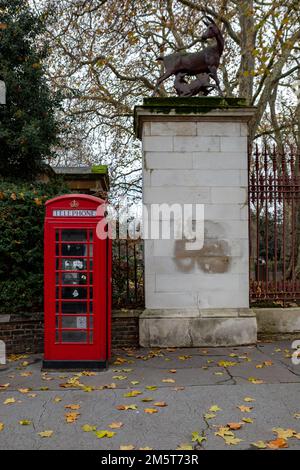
(206, 103)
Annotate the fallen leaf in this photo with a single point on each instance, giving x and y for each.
(226, 364)
(234, 426)
(150, 410)
(178, 389)
(197, 438)
(88, 428)
(284, 433)
(168, 381)
(247, 420)
(297, 415)
(25, 422)
(24, 390)
(119, 377)
(161, 404)
(126, 407)
(209, 415)
(184, 358)
(115, 425)
(89, 373)
(104, 433)
(4, 386)
(72, 416)
(32, 395)
(232, 441)
(9, 401)
(172, 371)
(57, 399)
(245, 409)
(218, 373)
(248, 399)
(72, 407)
(255, 381)
(45, 433)
(224, 431)
(1, 426)
(259, 444)
(146, 448)
(277, 444)
(26, 374)
(185, 447)
(134, 382)
(151, 387)
(133, 393)
(127, 447)
(214, 408)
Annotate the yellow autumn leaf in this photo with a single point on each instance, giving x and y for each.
(224, 431)
(259, 444)
(197, 438)
(127, 447)
(57, 399)
(72, 416)
(215, 408)
(133, 393)
(115, 425)
(104, 433)
(25, 422)
(9, 401)
(134, 382)
(151, 387)
(145, 448)
(4, 386)
(168, 381)
(255, 381)
(126, 407)
(150, 410)
(247, 420)
(160, 404)
(209, 415)
(72, 407)
(227, 363)
(249, 399)
(24, 390)
(1, 426)
(45, 433)
(88, 428)
(146, 400)
(232, 441)
(284, 433)
(245, 409)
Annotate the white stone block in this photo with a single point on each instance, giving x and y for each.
(244, 129)
(190, 178)
(168, 160)
(244, 177)
(197, 144)
(234, 144)
(146, 129)
(229, 196)
(209, 128)
(174, 195)
(170, 300)
(157, 144)
(173, 128)
(222, 211)
(197, 283)
(220, 161)
(225, 229)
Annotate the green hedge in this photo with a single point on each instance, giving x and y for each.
(21, 243)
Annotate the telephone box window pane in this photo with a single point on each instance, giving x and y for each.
(74, 235)
(91, 292)
(73, 307)
(91, 250)
(91, 307)
(72, 278)
(75, 322)
(73, 336)
(74, 264)
(73, 249)
(91, 337)
(75, 293)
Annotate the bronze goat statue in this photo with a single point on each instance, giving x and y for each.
(206, 61)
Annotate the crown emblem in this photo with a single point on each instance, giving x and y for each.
(74, 203)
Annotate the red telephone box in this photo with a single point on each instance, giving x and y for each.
(77, 283)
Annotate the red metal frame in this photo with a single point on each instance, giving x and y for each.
(93, 319)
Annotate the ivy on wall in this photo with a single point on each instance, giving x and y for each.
(22, 209)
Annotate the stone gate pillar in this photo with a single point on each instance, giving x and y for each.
(195, 151)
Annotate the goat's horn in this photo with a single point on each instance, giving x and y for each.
(209, 19)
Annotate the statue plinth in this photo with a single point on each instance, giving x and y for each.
(195, 151)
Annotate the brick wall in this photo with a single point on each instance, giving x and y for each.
(26, 334)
